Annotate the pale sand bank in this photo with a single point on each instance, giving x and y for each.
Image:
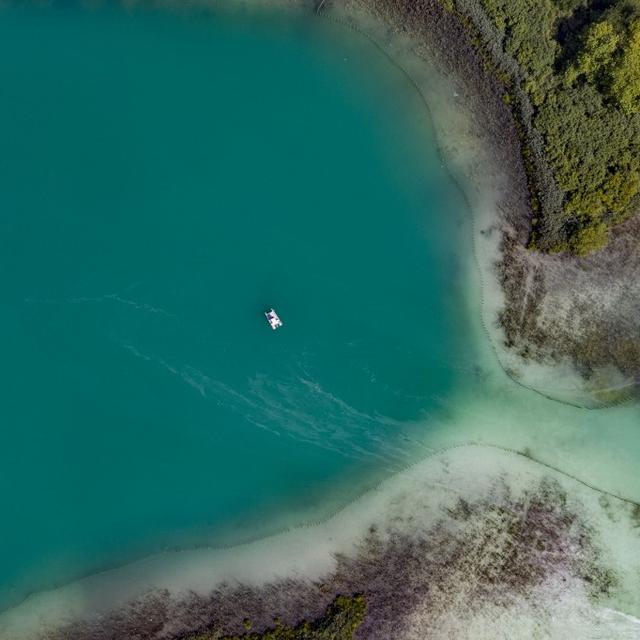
(500, 546)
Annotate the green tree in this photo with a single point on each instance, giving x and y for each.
(588, 239)
(600, 44)
(625, 77)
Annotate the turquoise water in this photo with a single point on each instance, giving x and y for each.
(164, 179)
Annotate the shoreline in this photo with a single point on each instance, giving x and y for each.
(476, 550)
(564, 326)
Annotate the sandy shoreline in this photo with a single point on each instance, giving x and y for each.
(564, 326)
(446, 549)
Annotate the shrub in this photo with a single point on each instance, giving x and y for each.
(339, 622)
(589, 239)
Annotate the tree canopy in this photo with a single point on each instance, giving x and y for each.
(625, 75)
(579, 64)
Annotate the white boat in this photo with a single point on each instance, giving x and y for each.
(273, 319)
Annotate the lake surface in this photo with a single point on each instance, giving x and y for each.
(164, 179)
(167, 176)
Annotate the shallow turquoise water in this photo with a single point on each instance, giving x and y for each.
(163, 180)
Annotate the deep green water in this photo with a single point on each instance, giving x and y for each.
(163, 179)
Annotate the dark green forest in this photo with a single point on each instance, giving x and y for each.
(578, 65)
